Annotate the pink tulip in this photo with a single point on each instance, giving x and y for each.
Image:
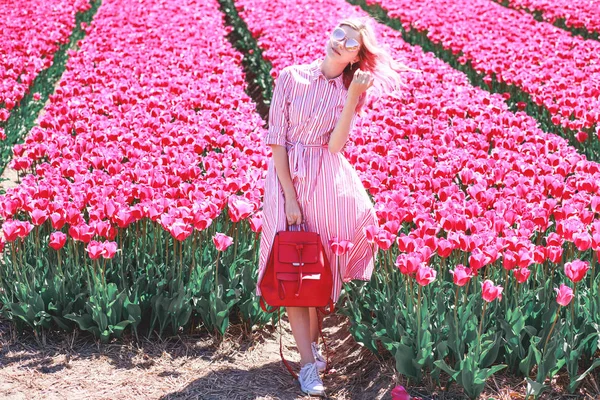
(38, 217)
(256, 224)
(425, 275)
(576, 270)
(444, 248)
(57, 220)
(10, 230)
(340, 247)
(371, 233)
(399, 393)
(461, 275)
(564, 295)
(57, 240)
(583, 241)
(123, 218)
(408, 264)
(110, 249)
(94, 249)
(239, 208)
(180, 230)
(490, 292)
(222, 241)
(384, 239)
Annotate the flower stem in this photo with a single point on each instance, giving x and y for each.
(551, 329)
(481, 326)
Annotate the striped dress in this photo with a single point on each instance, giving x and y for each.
(304, 110)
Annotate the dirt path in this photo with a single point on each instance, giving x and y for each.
(183, 367)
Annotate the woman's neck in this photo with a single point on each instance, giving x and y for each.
(331, 69)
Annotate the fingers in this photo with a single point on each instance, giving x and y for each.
(363, 77)
(294, 218)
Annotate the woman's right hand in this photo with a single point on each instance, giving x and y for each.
(292, 211)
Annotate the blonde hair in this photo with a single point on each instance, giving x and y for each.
(374, 59)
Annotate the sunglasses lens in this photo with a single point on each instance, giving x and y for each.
(338, 34)
(352, 45)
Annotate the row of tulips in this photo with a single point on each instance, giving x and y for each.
(544, 70)
(30, 35)
(577, 16)
(35, 40)
(466, 191)
(148, 148)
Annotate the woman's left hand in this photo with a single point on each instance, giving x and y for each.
(361, 81)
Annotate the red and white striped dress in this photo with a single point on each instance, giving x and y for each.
(304, 110)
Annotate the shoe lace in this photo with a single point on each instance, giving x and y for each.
(312, 375)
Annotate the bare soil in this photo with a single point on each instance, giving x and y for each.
(197, 366)
(194, 366)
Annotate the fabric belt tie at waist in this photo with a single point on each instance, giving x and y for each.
(296, 154)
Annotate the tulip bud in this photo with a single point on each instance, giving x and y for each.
(564, 295)
(490, 292)
(461, 275)
(222, 241)
(57, 240)
(576, 270)
(425, 275)
(399, 393)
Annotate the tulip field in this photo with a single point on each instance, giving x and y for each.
(139, 202)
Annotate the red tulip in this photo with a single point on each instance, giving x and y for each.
(581, 136)
(509, 260)
(425, 275)
(564, 295)
(554, 254)
(490, 292)
(461, 275)
(521, 274)
(478, 259)
(57, 240)
(576, 270)
(222, 241)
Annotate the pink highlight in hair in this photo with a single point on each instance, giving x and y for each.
(374, 59)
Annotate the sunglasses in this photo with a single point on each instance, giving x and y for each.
(339, 35)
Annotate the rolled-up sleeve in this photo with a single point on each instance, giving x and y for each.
(279, 110)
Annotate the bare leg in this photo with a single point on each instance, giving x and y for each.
(314, 325)
(300, 322)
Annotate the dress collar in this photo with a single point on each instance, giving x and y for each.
(316, 73)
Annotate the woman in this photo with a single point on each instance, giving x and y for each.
(309, 180)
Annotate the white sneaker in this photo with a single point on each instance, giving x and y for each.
(310, 381)
(319, 359)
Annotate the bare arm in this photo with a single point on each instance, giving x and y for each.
(340, 133)
(282, 167)
(361, 81)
